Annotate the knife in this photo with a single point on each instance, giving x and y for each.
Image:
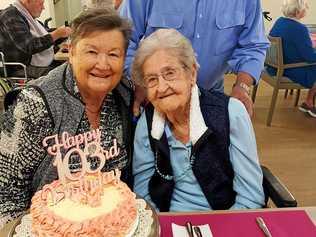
(189, 228)
(262, 225)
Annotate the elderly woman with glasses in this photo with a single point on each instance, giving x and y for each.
(193, 149)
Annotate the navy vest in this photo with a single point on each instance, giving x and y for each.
(212, 167)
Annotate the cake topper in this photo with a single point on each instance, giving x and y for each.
(86, 185)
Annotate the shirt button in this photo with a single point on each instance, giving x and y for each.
(198, 36)
(200, 15)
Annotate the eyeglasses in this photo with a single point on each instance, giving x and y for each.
(168, 74)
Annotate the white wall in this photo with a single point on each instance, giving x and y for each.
(5, 3)
(66, 10)
(274, 6)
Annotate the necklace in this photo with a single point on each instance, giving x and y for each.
(172, 177)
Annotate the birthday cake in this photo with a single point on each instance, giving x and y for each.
(86, 203)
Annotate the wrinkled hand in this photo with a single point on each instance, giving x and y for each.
(61, 32)
(139, 99)
(241, 94)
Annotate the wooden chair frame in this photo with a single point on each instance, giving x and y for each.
(274, 58)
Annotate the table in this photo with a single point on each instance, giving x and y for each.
(282, 222)
(311, 211)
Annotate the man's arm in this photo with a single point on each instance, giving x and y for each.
(241, 90)
(250, 52)
(248, 58)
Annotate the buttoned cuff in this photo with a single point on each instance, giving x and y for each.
(253, 68)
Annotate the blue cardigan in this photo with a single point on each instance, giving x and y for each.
(297, 47)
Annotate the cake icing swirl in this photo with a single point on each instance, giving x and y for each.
(115, 222)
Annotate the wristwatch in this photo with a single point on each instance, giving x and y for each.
(243, 86)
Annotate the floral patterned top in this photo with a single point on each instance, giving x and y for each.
(23, 127)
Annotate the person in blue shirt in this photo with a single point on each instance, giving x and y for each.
(297, 48)
(227, 35)
(194, 149)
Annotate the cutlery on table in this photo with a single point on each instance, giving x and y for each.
(189, 228)
(197, 231)
(263, 226)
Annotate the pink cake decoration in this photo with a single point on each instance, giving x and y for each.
(85, 186)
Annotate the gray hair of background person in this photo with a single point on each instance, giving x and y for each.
(105, 19)
(291, 7)
(98, 3)
(164, 39)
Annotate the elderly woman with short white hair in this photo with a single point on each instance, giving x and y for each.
(193, 149)
(297, 48)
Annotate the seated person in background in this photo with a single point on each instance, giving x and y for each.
(23, 39)
(193, 149)
(297, 48)
(88, 93)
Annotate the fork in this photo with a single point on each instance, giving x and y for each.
(197, 231)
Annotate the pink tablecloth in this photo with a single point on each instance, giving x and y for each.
(280, 223)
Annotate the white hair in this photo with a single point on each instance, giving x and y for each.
(291, 7)
(163, 39)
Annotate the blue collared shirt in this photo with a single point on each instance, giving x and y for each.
(225, 34)
(187, 194)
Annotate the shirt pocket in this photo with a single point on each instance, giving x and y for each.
(230, 19)
(160, 20)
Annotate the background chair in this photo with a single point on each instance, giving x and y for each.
(276, 191)
(5, 86)
(274, 58)
(312, 29)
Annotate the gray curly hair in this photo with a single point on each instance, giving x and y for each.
(163, 39)
(103, 19)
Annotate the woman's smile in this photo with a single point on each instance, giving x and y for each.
(101, 75)
(161, 97)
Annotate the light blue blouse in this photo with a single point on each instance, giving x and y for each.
(187, 194)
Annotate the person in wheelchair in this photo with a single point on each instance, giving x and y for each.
(23, 39)
(193, 149)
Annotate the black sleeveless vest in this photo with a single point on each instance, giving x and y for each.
(212, 167)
